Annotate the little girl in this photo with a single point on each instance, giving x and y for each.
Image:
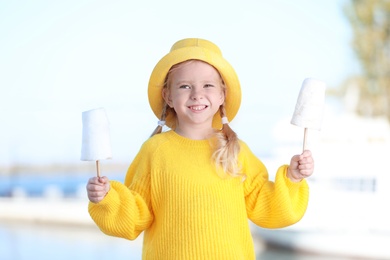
(193, 188)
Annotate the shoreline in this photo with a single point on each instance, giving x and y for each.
(87, 168)
(53, 211)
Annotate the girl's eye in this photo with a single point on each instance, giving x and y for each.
(185, 86)
(208, 85)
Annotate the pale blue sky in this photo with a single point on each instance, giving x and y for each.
(59, 58)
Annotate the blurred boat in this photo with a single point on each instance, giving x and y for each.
(348, 213)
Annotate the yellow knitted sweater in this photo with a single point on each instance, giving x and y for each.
(173, 193)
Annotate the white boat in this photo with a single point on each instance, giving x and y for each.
(349, 208)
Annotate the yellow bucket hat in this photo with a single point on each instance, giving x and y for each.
(195, 49)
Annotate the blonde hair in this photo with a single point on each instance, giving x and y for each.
(227, 148)
(226, 143)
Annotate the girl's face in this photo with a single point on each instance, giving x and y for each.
(195, 92)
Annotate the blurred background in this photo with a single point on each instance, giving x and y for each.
(58, 59)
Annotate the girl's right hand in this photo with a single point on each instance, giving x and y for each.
(97, 188)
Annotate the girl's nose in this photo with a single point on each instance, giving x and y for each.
(196, 94)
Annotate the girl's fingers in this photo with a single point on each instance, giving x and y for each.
(97, 188)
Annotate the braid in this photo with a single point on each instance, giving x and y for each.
(228, 148)
(159, 128)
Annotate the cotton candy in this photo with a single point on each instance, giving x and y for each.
(96, 143)
(310, 104)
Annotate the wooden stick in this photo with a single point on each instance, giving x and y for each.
(305, 139)
(98, 168)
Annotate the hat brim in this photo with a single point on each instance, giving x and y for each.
(228, 74)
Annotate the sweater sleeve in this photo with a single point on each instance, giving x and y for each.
(272, 204)
(126, 210)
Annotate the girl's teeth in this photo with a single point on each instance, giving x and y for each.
(198, 107)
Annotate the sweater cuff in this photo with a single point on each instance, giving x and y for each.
(293, 187)
(111, 199)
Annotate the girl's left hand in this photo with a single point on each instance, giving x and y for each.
(301, 166)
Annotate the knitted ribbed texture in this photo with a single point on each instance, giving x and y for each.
(187, 210)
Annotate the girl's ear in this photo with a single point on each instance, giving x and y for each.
(166, 97)
(222, 99)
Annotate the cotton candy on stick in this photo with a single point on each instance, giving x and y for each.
(96, 143)
(310, 106)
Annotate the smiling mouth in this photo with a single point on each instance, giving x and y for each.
(198, 108)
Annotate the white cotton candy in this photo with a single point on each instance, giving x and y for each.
(96, 144)
(309, 108)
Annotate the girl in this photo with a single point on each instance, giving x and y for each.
(193, 188)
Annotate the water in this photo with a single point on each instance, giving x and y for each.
(37, 185)
(26, 241)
